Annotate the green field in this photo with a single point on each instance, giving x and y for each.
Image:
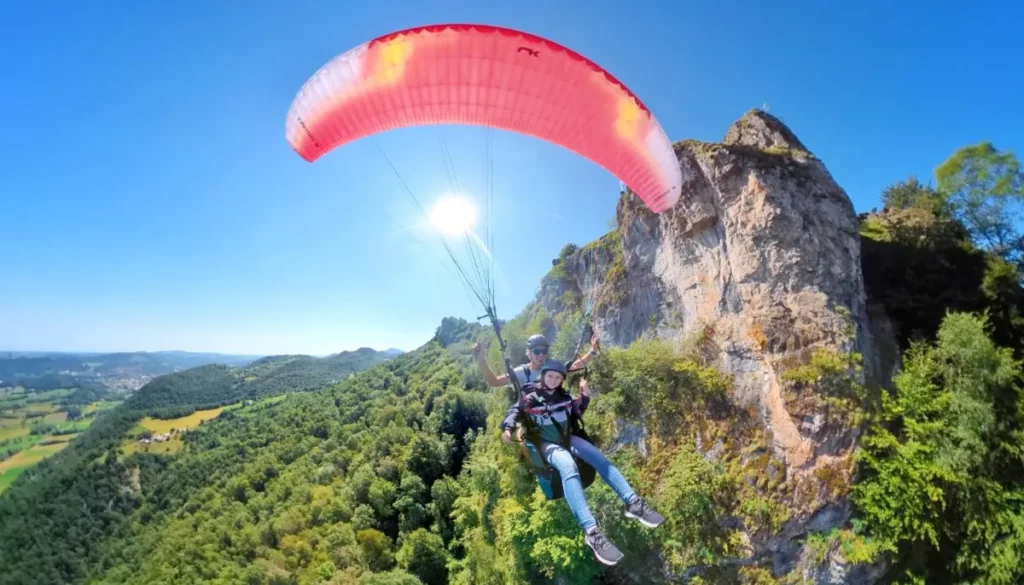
(56, 417)
(73, 427)
(35, 425)
(11, 428)
(19, 398)
(100, 406)
(12, 467)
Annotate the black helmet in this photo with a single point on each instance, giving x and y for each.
(537, 340)
(554, 365)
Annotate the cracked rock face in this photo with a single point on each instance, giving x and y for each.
(763, 248)
(762, 251)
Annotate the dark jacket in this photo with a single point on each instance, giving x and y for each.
(549, 417)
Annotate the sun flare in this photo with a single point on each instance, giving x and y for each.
(453, 215)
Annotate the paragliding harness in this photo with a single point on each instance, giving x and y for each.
(548, 478)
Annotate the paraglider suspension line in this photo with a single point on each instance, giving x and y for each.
(482, 286)
(483, 294)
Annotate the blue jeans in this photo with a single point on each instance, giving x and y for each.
(562, 460)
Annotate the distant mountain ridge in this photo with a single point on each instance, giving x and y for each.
(168, 353)
(211, 385)
(124, 371)
(128, 371)
(116, 371)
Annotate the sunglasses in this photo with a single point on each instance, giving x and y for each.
(539, 351)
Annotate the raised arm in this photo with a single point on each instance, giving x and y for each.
(595, 349)
(485, 370)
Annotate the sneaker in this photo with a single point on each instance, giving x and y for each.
(641, 512)
(604, 550)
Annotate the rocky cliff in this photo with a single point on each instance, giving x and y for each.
(761, 257)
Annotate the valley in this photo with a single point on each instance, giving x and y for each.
(122, 372)
(35, 425)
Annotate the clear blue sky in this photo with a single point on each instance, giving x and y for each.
(149, 200)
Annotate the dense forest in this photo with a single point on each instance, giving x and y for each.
(201, 387)
(396, 475)
(58, 512)
(274, 375)
(941, 486)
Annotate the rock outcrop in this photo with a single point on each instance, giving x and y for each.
(762, 253)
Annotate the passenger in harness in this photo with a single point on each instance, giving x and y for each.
(551, 423)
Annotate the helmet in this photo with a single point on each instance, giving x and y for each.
(554, 365)
(537, 340)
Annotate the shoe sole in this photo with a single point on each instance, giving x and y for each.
(602, 560)
(605, 562)
(642, 521)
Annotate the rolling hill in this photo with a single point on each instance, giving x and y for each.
(117, 371)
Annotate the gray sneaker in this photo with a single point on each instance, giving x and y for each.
(641, 512)
(606, 552)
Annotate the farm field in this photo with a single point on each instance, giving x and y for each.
(165, 435)
(35, 425)
(15, 465)
(158, 426)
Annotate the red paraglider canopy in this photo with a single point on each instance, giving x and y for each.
(486, 76)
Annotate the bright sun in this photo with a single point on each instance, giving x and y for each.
(453, 215)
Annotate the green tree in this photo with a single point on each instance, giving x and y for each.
(942, 477)
(427, 458)
(382, 497)
(567, 250)
(395, 577)
(410, 503)
(696, 494)
(423, 554)
(1002, 288)
(377, 549)
(443, 495)
(911, 193)
(985, 188)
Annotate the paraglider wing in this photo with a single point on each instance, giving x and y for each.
(487, 76)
